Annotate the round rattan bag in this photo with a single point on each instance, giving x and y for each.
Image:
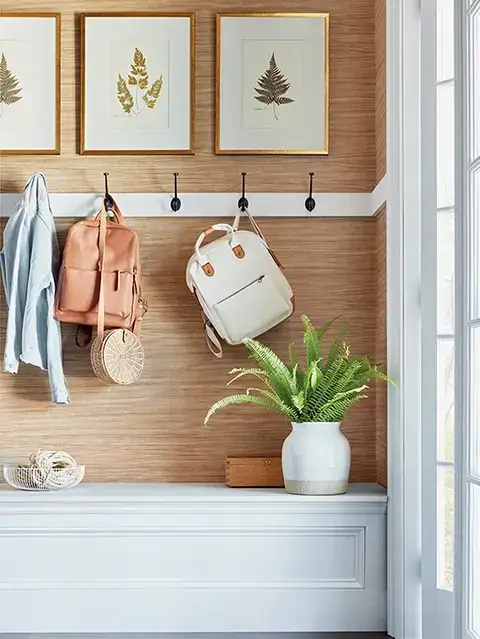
(119, 358)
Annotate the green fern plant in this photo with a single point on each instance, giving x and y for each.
(321, 391)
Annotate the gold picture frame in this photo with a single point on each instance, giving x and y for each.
(55, 150)
(219, 148)
(83, 73)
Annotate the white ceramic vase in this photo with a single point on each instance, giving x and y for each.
(316, 459)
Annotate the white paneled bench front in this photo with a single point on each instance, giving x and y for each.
(191, 558)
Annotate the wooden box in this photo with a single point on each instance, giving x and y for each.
(253, 472)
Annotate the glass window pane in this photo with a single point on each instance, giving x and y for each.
(475, 554)
(445, 526)
(473, 239)
(445, 146)
(475, 87)
(445, 404)
(475, 401)
(445, 278)
(444, 40)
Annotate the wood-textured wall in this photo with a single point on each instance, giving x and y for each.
(350, 167)
(153, 430)
(381, 345)
(381, 87)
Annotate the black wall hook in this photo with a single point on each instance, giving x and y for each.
(175, 203)
(243, 202)
(108, 200)
(310, 201)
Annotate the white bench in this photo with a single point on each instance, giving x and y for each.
(191, 558)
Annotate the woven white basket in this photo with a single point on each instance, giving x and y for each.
(38, 479)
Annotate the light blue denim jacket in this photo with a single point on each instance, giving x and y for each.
(29, 261)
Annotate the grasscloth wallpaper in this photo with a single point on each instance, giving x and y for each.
(350, 167)
(153, 430)
(381, 87)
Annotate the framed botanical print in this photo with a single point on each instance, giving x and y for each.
(272, 83)
(137, 83)
(29, 83)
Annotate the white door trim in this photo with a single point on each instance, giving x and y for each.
(403, 319)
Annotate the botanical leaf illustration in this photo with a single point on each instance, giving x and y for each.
(9, 85)
(138, 73)
(124, 96)
(138, 77)
(272, 86)
(151, 96)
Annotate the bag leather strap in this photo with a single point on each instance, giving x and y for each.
(211, 337)
(102, 242)
(256, 228)
(118, 215)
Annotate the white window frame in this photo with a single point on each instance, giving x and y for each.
(404, 318)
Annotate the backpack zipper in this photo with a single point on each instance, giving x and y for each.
(259, 280)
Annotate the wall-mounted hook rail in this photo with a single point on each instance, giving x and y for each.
(243, 202)
(310, 201)
(107, 198)
(175, 203)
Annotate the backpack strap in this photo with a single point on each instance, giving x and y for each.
(117, 214)
(102, 242)
(211, 337)
(256, 228)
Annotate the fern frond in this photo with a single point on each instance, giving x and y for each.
(293, 415)
(241, 372)
(243, 399)
(337, 349)
(292, 355)
(322, 392)
(278, 372)
(339, 397)
(311, 341)
(337, 413)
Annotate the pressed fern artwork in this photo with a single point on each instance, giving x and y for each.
(135, 89)
(272, 86)
(9, 86)
(322, 390)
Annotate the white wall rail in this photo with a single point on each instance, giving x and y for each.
(213, 204)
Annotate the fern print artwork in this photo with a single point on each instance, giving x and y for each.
(272, 86)
(135, 89)
(9, 86)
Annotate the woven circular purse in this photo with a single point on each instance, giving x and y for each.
(118, 358)
(117, 355)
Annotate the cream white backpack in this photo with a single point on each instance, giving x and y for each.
(239, 285)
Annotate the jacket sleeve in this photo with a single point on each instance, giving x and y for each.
(15, 264)
(42, 338)
(58, 384)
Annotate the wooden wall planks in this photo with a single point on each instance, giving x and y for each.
(153, 430)
(350, 167)
(381, 87)
(381, 346)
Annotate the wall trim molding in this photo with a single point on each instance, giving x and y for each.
(214, 204)
(404, 320)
